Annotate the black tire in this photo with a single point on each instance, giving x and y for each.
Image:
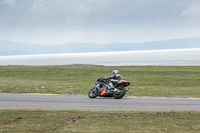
(92, 93)
(117, 95)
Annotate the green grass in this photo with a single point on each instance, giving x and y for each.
(156, 81)
(74, 121)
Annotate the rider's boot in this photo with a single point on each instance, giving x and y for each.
(111, 86)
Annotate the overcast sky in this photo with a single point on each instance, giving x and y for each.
(98, 21)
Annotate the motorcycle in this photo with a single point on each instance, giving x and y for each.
(103, 89)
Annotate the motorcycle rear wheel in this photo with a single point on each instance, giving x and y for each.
(92, 93)
(119, 95)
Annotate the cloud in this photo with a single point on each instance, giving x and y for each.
(96, 20)
(192, 10)
(10, 2)
(2, 2)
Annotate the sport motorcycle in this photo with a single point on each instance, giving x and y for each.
(103, 89)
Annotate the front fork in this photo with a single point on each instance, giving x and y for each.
(98, 87)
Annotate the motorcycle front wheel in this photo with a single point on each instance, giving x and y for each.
(92, 93)
(120, 93)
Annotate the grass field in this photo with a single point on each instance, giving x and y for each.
(156, 81)
(41, 121)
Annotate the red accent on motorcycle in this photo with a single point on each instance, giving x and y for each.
(104, 92)
(122, 81)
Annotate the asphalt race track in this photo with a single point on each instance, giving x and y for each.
(68, 102)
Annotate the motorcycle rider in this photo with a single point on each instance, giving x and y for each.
(116, 77)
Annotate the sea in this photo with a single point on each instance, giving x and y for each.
(171, 57)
